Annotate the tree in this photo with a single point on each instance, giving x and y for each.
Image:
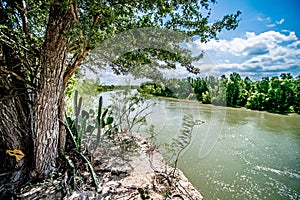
(235, 90)
(287, 95)
(43, 43)
(274, 94)
(297, 95)
(200, 87)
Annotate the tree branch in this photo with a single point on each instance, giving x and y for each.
(7, 71)
(74, 11)
(124, 2)
(73, 66)
(24, 19)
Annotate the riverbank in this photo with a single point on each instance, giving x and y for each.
(143, 171)
(228, 107)
(123, 175)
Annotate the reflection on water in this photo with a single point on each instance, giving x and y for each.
(256, 156)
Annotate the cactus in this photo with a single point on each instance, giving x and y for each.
(102, 121)
(81, 125)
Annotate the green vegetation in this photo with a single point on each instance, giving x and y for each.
(130, 109)
(176, 88)
(276, 94)
(86, 87)
(88, 131)
(43, 43)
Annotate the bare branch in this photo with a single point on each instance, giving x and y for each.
(73, 66)
(25, 20)
(7, 71)
(74, 11)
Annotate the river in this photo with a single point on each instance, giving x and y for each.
(236, 153)
(248, 154)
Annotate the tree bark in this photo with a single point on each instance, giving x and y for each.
(15, 126)
(50, 92)
(15, 133)
(29, 118)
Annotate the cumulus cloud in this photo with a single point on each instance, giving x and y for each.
(254, 54)
(258, 49)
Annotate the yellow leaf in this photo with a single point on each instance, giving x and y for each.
(16, 153)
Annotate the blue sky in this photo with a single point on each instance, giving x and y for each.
(260, 15)
(266, 42)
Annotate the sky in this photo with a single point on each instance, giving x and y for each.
(266, 42)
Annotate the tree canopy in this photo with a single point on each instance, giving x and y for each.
(42, 44)
(24, 23)
(275, 94)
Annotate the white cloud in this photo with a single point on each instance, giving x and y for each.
(280, 21)
(276, 23)
(244, 46)
(267, 19)
(271, 25)
(269, 52)
(260, 19)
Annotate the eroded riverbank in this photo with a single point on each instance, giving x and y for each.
(124, 175)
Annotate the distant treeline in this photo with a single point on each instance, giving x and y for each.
(275, 94)
(105, 88)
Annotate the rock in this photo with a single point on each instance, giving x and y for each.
(145, 171)
(124, 175)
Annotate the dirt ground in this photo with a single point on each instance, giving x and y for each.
(138, 175)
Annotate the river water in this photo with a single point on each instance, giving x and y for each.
(237, 153)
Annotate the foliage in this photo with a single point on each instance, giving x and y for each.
(206, 99)
(143, 194)
(216, 91)
(45, 42)
(297, 96)
(88, 130)
(156, 89)
(105, 88)
(276, 94)
(130, 110)
(180, 143)
(235, 86)
(82, 140)
(24, 25)
(176, 88)
(200, 87)
(181, 88)
(85, 124)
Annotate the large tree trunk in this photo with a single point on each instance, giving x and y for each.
(29, 118)
(15, 130)
(50, 92)
(15, 126)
